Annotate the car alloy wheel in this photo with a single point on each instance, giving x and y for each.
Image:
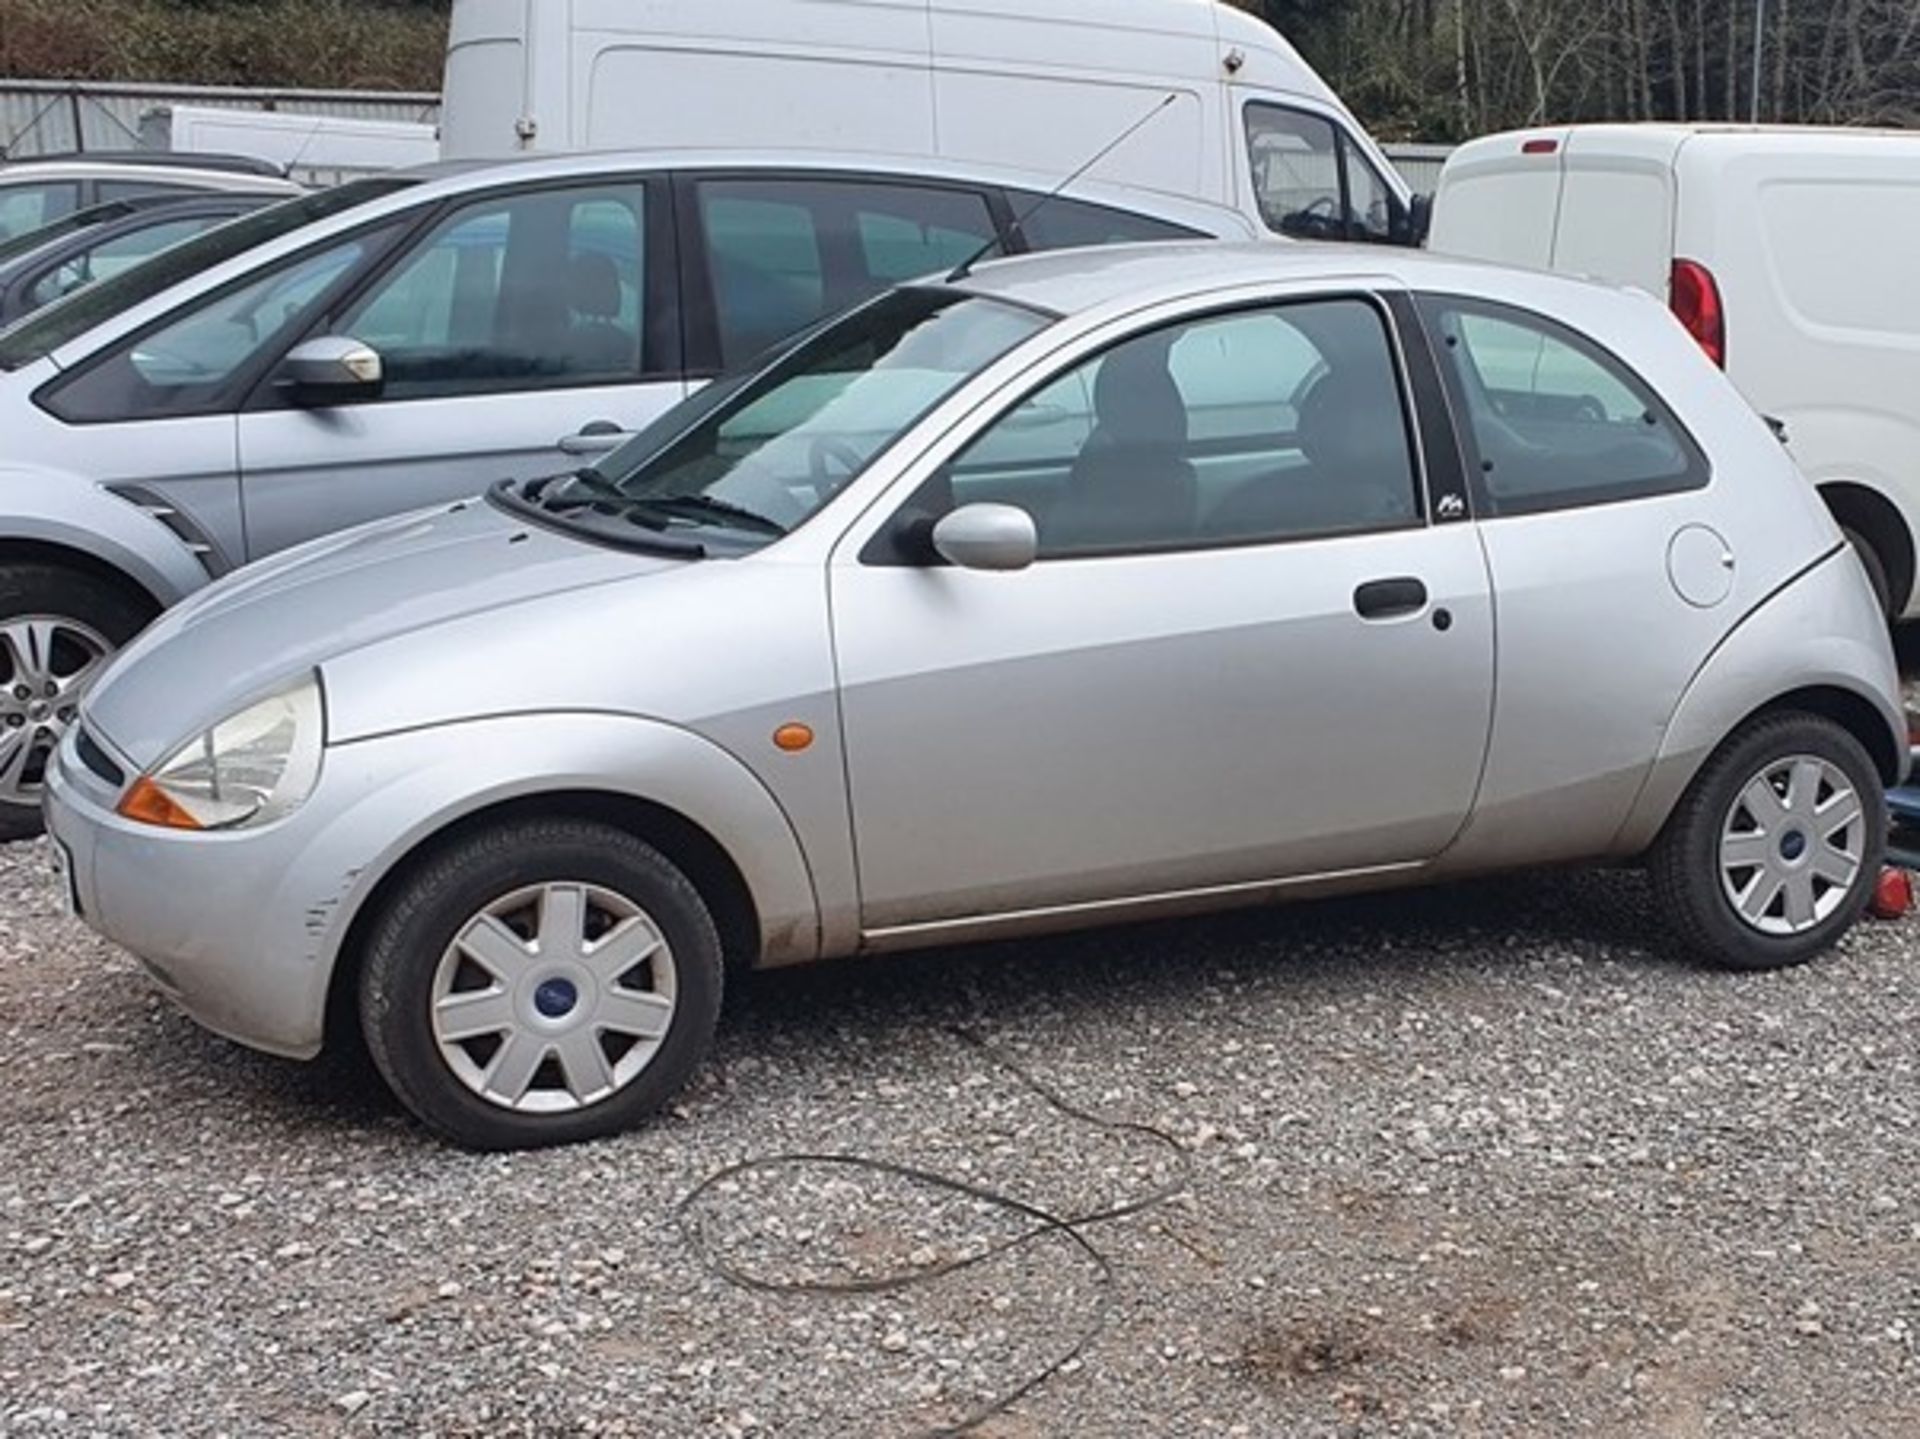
(46, 664)
(1792, 845)
(554, 997)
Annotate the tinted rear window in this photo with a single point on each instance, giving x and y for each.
(61, 323)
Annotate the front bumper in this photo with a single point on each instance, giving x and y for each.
(236, 927)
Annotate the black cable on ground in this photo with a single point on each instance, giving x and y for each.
(1044, 1223)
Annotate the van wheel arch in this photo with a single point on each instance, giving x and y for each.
(1877, 520)
(681, 841)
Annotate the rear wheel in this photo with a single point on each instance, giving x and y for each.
(58, 629)
(540, 983)
(1773, 852)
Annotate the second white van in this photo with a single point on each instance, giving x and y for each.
(1042, 84)
(1786, 252)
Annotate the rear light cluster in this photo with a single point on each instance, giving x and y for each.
(1695, 297)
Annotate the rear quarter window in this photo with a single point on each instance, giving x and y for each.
(1069, 224)
(1553, 421)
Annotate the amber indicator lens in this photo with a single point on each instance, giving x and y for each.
(793, 737)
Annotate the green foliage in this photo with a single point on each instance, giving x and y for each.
(346, 44)
(1448, 69)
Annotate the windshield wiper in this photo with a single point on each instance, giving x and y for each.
(740, 515)
(530, 502)
(598, 489)
(551, 493)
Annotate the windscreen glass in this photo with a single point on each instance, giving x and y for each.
(60, 323)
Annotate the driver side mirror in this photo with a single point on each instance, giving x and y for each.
(332, 370)
(1418, 222)
(987, 537)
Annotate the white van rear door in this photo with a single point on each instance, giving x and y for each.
(1499, 199)
(1617, 204)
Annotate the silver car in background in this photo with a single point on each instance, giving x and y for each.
(1082, 588)
(410, 338)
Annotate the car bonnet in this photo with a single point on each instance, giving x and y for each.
(271, 623)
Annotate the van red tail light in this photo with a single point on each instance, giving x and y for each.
(1695, 297)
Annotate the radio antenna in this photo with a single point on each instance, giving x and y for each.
(1018, 228)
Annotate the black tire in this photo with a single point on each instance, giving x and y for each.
(116, 612)
(1876, 569)
(419, 923)
(1685, 862)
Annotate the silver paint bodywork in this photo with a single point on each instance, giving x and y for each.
(256, 482)
(1077, 741)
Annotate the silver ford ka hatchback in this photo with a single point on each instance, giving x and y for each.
(1078, 589)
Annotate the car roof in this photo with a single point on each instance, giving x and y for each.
(24, 172)
(1068, 282)
(457, 176)
(162, 159)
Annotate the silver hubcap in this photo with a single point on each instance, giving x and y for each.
(47, 662)
(1791, 847)
(553, 998)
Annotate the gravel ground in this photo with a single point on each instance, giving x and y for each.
(1483, 1161)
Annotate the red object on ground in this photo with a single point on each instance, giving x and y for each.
(1893, 895)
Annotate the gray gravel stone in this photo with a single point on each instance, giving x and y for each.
(1484, 1161)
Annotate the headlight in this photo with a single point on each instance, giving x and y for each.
(255, 767)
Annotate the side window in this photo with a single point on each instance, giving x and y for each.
(1556, 421)
(1068, 224)
(110, 257)
(1313, 183)
(1296, 172)
(187, 364)
(1262, 425)
(1370, 204)
(513, 292)
(24, 208)
(784, 253)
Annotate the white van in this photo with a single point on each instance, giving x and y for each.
(314, 149)
(1044, 84)
(1787, 252)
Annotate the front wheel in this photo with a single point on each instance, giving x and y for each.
(58, 629)
(1774, 850)
(542, 982)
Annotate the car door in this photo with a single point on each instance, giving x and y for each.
(1243, 655)
(1592, 505)
(521, 331)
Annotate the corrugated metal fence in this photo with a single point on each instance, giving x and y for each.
(44, 117)
(1419, 164)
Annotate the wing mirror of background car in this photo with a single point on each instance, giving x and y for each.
(332, 369)
(987, 537)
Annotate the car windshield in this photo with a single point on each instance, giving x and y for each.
(759, 454)
(58, 324)
(27, 243)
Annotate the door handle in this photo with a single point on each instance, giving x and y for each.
(596, 438)
(1390, 599)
